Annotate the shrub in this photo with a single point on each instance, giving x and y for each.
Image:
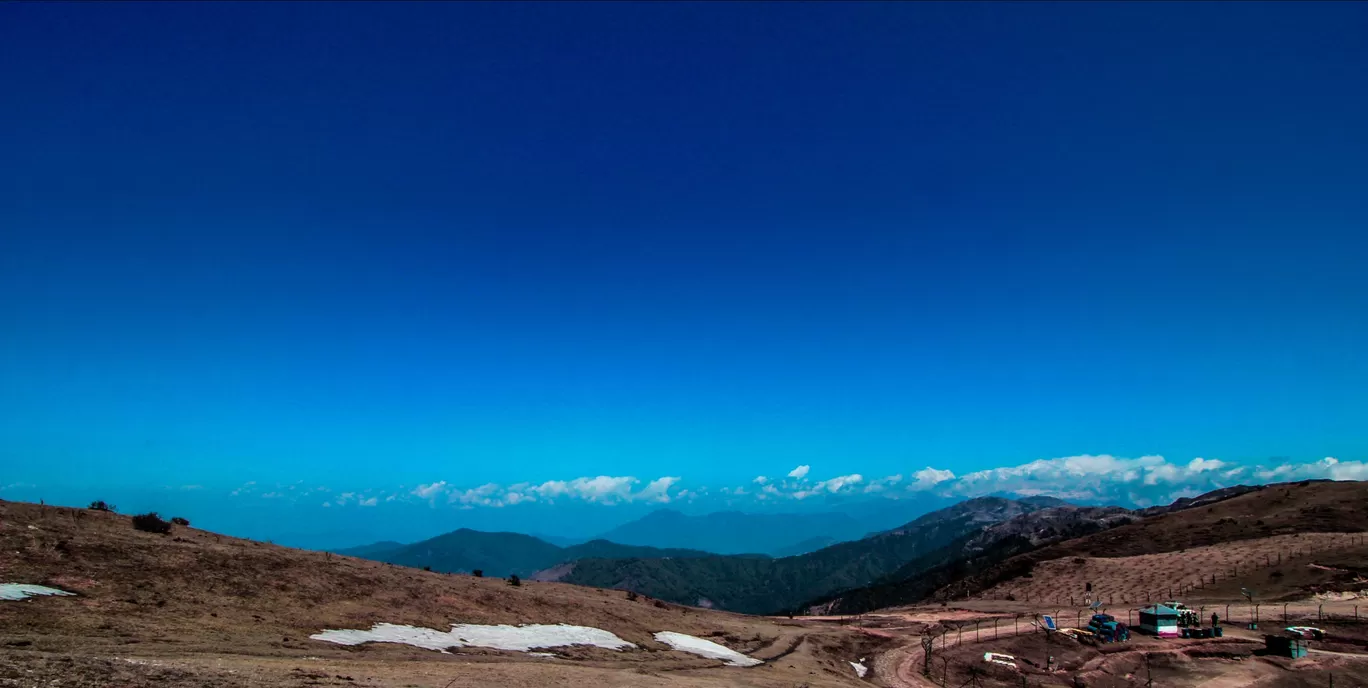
(514, 580)
(477, 573)
(150, 522)
(631, 596)
(102, 505)
(180, 521)
(427, 568)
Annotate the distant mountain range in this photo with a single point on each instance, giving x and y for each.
(764, 585)
(956, 551)
(734, 532)
(500, 554)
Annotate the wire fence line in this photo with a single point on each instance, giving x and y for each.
(941, 670)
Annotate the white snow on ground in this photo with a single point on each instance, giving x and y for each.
(19, 591)
(705, 648)
(860, 668)
(519, 638)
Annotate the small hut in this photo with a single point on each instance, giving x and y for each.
(1159, 620)
(1285, 646)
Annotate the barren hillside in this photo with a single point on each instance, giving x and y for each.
(198, 609)
(1240, 531)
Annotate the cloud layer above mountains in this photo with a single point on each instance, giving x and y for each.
(1138, 481)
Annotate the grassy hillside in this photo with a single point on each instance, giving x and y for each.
(774, 585)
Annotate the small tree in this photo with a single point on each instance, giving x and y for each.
(150, 522)
(102, 505)
(514, 580)
(477, 573)
(180, 521)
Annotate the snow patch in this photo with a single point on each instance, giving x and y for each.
(705, 648)
(860, 668)
(517, 638)
(19, 591)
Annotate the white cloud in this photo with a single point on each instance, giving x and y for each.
(840, 482)
(929, 477)
(657, 490)
(430, 490)
(882, 483)
(602, 489)
(1085, 478)
(832, 486)
(489, 494)
(1143, 480)
(1200, 464)
(1328, 468)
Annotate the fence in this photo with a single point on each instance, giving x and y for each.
(962, 673)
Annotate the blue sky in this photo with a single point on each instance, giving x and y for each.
(377, 247)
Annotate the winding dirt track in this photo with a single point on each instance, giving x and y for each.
(901, 667)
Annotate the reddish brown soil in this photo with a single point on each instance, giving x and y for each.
(198, 609)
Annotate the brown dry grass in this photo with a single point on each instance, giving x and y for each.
(1306, 509)
(1154, 577)
(199, 609)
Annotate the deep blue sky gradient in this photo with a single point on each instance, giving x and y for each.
(396, 243)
